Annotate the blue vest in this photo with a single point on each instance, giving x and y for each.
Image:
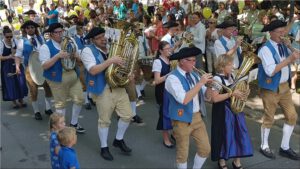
(96, 83)
(178, 111)
(79, 44)
(28, 48)
(54, 73)
(239, 53)
(265, 81)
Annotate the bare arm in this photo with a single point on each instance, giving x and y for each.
(159, 79)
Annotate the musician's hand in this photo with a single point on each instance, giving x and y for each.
(206, 78)
(116, 60)
(178, 43)
(131, 77)
(63, 54)
(238, 94)
(295, 55)
(286, 41)
(18, 71)
(239, 41)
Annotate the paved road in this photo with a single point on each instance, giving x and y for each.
(25, 141)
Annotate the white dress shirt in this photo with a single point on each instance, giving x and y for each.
(199, 33)
(44, 54)
(175, 88)
(168, 38)
(220, 50)
(2, 43)
(156, 67)
(19, 52)
(88, 58)
(269, 64)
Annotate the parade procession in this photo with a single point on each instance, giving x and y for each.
(150, 84)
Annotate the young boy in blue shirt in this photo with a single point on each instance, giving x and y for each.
(67, 156)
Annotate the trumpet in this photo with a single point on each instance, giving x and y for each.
(215, 84)
(287, 37)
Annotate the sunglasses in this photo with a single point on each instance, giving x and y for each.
(212, 22)
(8, 37)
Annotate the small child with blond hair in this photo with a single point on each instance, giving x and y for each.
(67, 156)
(57, 123)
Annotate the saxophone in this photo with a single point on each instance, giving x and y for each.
(69, 46)
(125, 47)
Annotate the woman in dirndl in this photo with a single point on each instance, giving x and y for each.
(229, 133)
(161, 68)
(13, 85)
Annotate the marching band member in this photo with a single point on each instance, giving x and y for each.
(186, 94)
(273, 76)
(108, 100)
(229, 133)
(80, 44)
(33, 16)
(63, 83)
(13, 87)
(169, 37)
(29, 47)
(226, 44)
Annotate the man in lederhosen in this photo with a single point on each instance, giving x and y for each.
(274, 74)
(63, 83)
(80, 44)
(108, 100)
(226, 44)
(28, 50)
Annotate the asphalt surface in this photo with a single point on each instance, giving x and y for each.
(25, 144)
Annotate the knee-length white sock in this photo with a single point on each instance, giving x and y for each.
(35, 106)
(48, 103)
(122, 127)
(133, 107)
(198, 161)
(103, 134)
(75, 113)
(264, 138)
(286, 135)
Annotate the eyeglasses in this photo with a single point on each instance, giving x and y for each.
(59, 32)
(167, 48)
(190, 60)
(211, 22)
(8, 37)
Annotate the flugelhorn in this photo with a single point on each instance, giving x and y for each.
(215, 84)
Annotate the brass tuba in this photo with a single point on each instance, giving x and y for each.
(125, 47)
(69, 46)
(249, 59)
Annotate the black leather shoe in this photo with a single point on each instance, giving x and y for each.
(106, 154)
(48, 112)
(38, 116)
(88, 106)
(236, 167)
(268, 153)
(168, 146)
(143, 93)
(289, 153)
(121, 144)
(92, 101)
